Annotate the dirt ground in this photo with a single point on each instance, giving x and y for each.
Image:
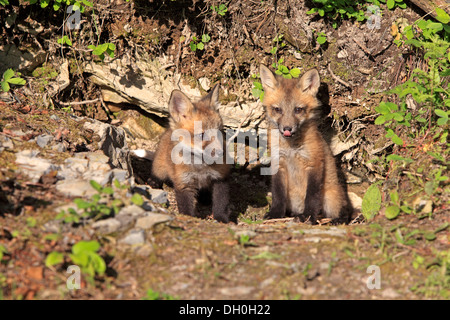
(192, 258)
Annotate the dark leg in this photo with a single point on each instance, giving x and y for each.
(314, 197)
(279, 196)
(186, 201)
(220, 201)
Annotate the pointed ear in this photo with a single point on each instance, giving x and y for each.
(179, 105)
(268, 79)
(212, 98)
(310, 82)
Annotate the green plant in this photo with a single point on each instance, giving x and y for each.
(391, 4)
(65, 40)
(221, 9)
(154, 295)
(84, 254)
(284, 71)
(4, 2)
(101, 49)
(8, 78)
(396, 206)
(371, 202)
(321, 38)
(199, 44)
(100, 205)
(2, 251)
(339, 9)
(57, 4)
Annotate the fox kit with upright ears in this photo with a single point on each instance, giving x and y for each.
(306, 182)
(202, 164)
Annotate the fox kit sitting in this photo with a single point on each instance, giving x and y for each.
(306, 182)
(202, 164)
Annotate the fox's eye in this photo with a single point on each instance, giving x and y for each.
(298, 110)
(199, 136)
(277, 109)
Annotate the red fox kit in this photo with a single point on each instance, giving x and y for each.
(306, 182)
(202, 164)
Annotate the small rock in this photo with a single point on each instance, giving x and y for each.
(75, 188)
(250, 233)
(77, 164)
(119, 174)
(158, 195)
(134, 237)
(390, 293)
(107, 226)
(54, 117)
(144, 251)
(59, 147)
(33, 166)
(6, 142)
(151, 220)
(355, 200)
(423, 206)
(236, 291)
(43, 140)
(205, 83)
(133, 210)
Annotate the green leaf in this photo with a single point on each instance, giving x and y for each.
(206, 38)
(321, 39)
(5, 86)
(390, 4)
(96, 185)
(430, 236)
(396, 157)
(392, 212)
(8, 74)
(200, 46)
(108, 190)
(371, 203)
(18, 81)
(380, 120)
(54, 258)
(193, 46)
(442, 16)
(136, 198)
(295, 72)
(81, 204)
(394, 196)
(111, 46)
(85, 246)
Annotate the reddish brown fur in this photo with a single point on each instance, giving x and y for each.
(307, 180)
(188, 179)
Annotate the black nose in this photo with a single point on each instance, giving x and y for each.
(287, 129)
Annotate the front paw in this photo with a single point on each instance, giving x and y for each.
(275, 213)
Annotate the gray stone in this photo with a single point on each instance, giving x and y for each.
(6, 142)
(75, 188)
(54, 117)
(76, 164)
(59, 147)
(119, 174)
(158, 195)
(107, 226)
(132, 210)
(134, 237)
(43, 140)
(151, 220)
(33, 166)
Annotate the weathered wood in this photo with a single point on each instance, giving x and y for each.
(429, 6)
(148, 86)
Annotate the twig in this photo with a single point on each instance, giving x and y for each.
(338, 79)
(76, 103)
